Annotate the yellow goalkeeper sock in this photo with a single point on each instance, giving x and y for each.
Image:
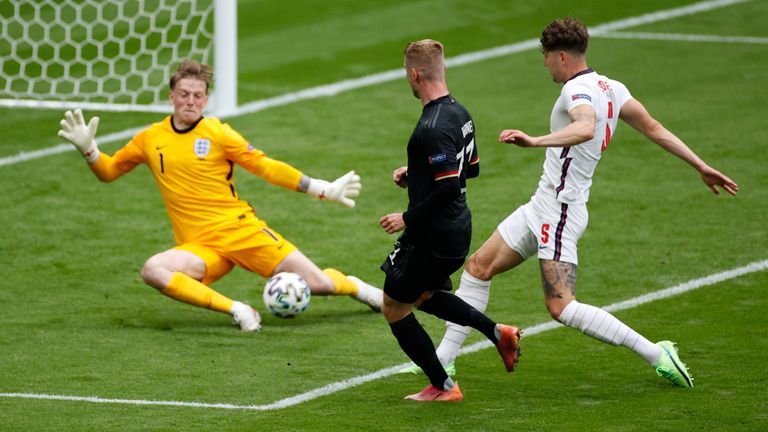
(343, 285)
(185, 289)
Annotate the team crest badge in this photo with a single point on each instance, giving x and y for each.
(202, 147)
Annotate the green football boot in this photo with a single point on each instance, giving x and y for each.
(670, 367)
(450, 369)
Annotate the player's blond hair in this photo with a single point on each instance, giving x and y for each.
(427, 56)
(189, 68)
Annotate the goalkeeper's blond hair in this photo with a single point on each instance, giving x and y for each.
(189, 68)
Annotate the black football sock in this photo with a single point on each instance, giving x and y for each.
(449, 307)
(416, 343)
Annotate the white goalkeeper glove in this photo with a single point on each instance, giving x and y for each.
(74, 130)
(341, 190)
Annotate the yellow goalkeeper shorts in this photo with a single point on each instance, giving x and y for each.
(249, 243)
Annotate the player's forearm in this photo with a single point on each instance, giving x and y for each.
(279, 173)
(671, 143)
(446, 191)
(571, 135)
(105, 168)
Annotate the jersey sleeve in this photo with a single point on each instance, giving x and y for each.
(576, 93)
(621, 92)
(108, 168)
(441, 152)
(276, 172)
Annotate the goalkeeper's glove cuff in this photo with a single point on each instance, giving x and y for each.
(91, 152)
(318, 188)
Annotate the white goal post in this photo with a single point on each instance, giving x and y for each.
(113, 55)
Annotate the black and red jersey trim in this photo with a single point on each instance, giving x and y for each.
(446, 174)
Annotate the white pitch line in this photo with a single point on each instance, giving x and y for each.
(63, 148)
(643, 299)
(383, 373)
(662, 15)
(684, 37)
(382, 77)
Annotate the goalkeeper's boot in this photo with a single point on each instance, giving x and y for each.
(368, 294)
(670, 367)
(432, 393)
(509, 345)
(450, 369)
(247, 318)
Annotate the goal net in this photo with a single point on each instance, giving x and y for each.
(108, 54)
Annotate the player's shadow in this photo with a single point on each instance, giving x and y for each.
(207, 322)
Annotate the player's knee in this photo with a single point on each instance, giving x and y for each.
(393, 310)
(554, 312)
(151, 272)
(555, 308)
(424, 297)
(388, 311)
(476, 268)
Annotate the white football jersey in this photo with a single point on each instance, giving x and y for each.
(568, 170)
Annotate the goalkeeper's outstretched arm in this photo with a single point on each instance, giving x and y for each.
(83, 137)
(279, 173)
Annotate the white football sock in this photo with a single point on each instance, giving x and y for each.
(601, 325)
(475, 292)
(238, 307)
(368, 293)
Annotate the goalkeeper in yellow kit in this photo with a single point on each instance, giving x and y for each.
(192, 160)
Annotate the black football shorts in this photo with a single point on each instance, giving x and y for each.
(412, 269)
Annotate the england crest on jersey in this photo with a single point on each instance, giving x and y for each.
(202, 147)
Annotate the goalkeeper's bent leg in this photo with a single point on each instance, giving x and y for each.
(185, 289)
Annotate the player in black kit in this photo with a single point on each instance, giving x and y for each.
(438, 226)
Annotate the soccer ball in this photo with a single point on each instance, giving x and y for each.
(286, 295)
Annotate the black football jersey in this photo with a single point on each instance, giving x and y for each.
(442, 154)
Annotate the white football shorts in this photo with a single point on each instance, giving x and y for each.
(545, 227)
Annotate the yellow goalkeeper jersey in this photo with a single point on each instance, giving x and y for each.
(194, 170)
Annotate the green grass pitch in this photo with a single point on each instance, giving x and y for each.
(78, 321)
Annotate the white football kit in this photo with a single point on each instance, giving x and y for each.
(552, 222)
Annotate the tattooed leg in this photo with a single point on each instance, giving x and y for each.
(559, 282)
